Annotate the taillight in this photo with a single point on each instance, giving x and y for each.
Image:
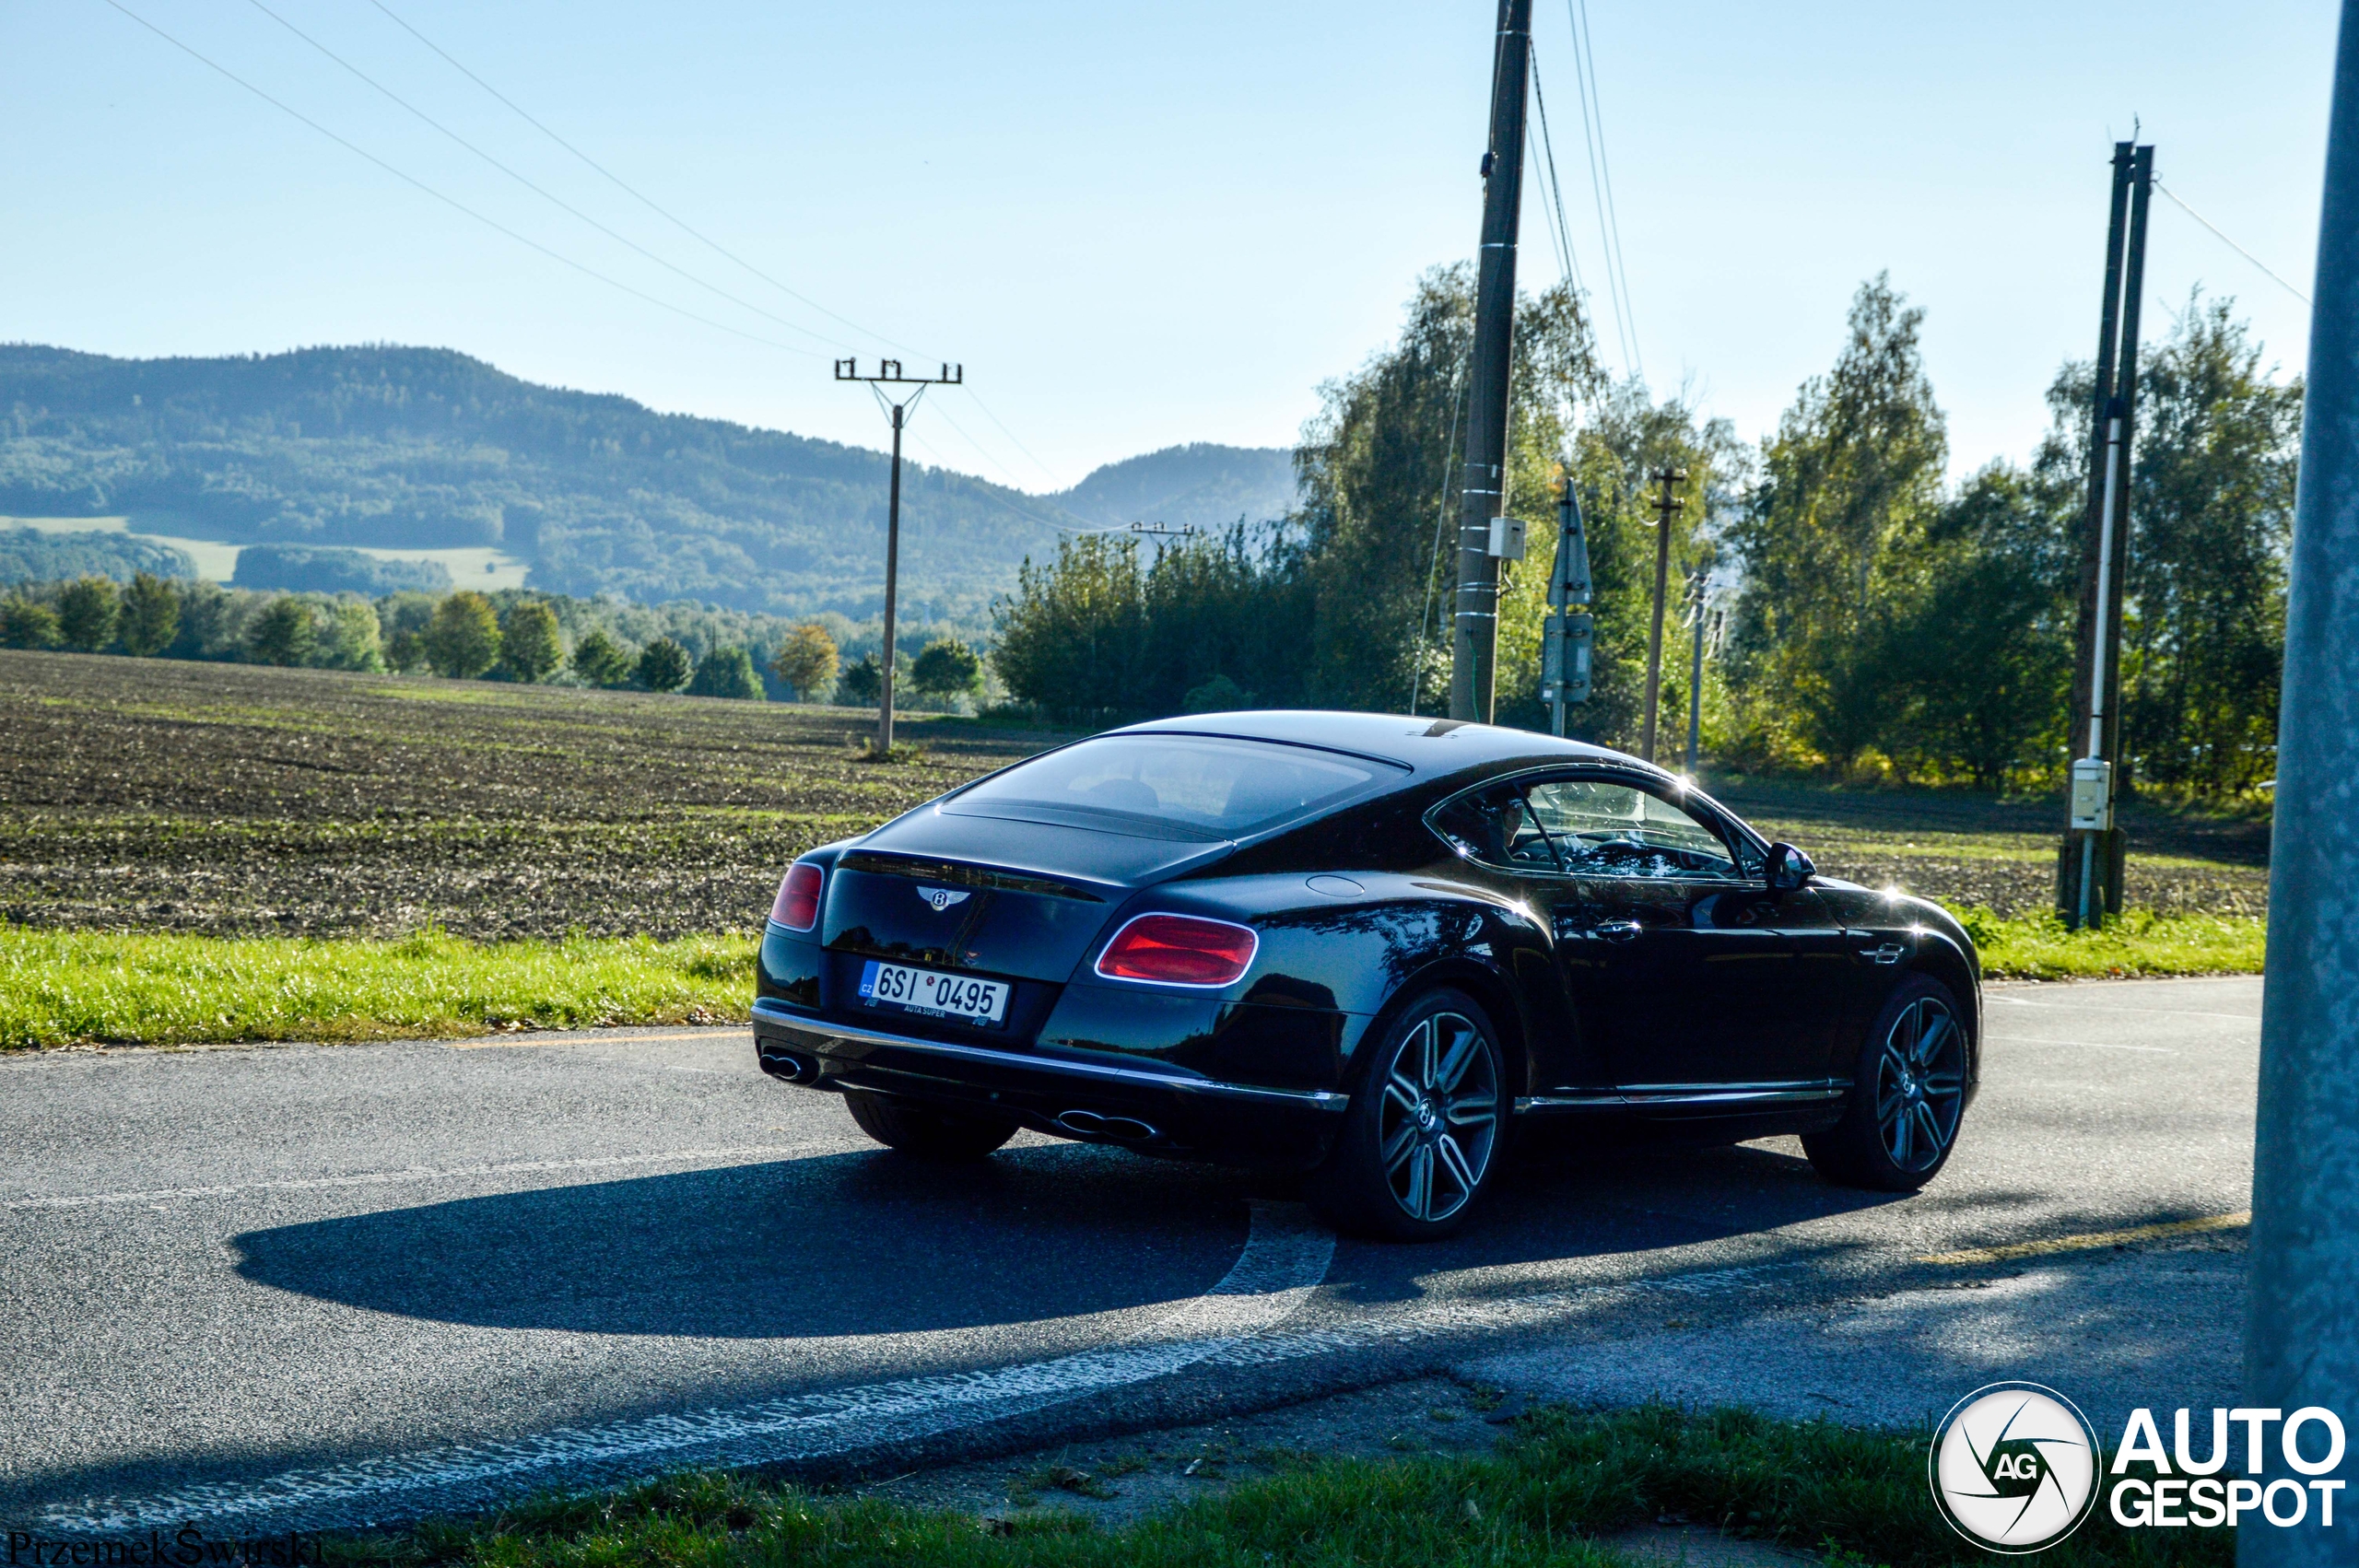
(797, 908)
(1179, 950)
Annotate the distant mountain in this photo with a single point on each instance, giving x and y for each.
(422, 448)
(1208, 485)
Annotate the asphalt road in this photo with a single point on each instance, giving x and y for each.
(306, 1286)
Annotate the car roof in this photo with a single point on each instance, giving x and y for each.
(1427, 745)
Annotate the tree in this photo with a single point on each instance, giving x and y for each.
(530, 646)
(404, 619)
(353, 639)
(151, 615)
(283, 633)
(87, 611)
(1850, 482)
(806, 663)
(600, 660)
(947, 667)
(663, 665)
(462, 640)
(2211, 513)
(862, 683)
(27, 623)
(726, 672)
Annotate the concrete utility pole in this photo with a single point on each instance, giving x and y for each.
(2089, 865)
(1474, 635)
(888, 373)
(2302, 1334)
(1667, 505)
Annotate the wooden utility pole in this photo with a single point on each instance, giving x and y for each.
(2090, 862)
(1667, 507)
(888, 373)
(1474, 635)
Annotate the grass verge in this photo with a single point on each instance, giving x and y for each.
(1541, 1497)
(2137, 943)
(62, 987)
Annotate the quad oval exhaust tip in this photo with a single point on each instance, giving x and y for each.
(1122, 1129)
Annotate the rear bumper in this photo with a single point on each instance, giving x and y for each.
(1190, 1115)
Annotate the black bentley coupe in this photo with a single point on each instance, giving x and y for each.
(1365, 946)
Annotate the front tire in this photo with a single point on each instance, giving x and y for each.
(1907, 1095)
(1425, 1130)
(922, 1131)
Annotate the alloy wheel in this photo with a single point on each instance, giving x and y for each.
(1920, 1084)
(1438, 1119)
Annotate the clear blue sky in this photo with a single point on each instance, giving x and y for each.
(1136, 225)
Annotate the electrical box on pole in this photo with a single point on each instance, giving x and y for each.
(1507, 538)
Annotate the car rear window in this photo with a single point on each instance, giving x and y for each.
(1197, 786)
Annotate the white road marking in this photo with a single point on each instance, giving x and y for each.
(1285, 1257)
(2093, 1044)
(407, 1174)
(2253, 1019)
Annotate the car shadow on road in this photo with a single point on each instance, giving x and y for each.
(850, 1244)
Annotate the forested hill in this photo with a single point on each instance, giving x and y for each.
(426, 448)
(1208, 485)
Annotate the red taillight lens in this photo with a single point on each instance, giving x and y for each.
(798, 898)
(1179, 950)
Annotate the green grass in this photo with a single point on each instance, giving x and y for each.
(1541, 1497)
(2135, 944)
(62, 987)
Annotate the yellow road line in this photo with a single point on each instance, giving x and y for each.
(2092, 1240)
(511, 1042)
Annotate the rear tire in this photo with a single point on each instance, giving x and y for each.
(1907, 1098)
(1426, 1129)
(924, 1133)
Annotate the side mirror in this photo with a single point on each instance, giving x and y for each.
(1788, 868)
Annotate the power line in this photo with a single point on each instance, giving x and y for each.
(1555, 192)
(1601, 176)
(683, 226)
(452, 202)
(632, 190)
(2231, 245)
(536, 189)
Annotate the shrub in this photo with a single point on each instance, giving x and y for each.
(464, 639)
(151, 615)
(283, 633)
(807, 661)
(947, 667)
(531, 648)
(726, 672)
(86, 609)
(1219, 694)
(600, 660)
(663, 665)
(26, 624)
(861, 683)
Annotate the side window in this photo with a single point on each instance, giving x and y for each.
(1601, 828)
(1496, 828)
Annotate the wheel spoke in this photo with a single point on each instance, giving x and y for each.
(1473, 1111)
(1398, 1147)
(1931, 1126)
(1932, 1039)
(1404, 1096)
(1420, 1200)
(1454, 1159)
(1428, 1047)
(1453, 1065)
(1901, 1138)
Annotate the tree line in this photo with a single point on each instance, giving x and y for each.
(1870, 618)
(510, 634)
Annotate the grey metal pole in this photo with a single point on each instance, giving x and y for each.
(1695, 680)
(1474, 633)
(892, 584)
(2302, 1334)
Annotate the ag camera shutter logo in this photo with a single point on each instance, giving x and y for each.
(2015, 1466)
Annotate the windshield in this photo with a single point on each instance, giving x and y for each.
(1171, 785)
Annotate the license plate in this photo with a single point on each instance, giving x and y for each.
(937, 996)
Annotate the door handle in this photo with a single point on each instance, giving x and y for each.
(1616, 930)
(1890, 953)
